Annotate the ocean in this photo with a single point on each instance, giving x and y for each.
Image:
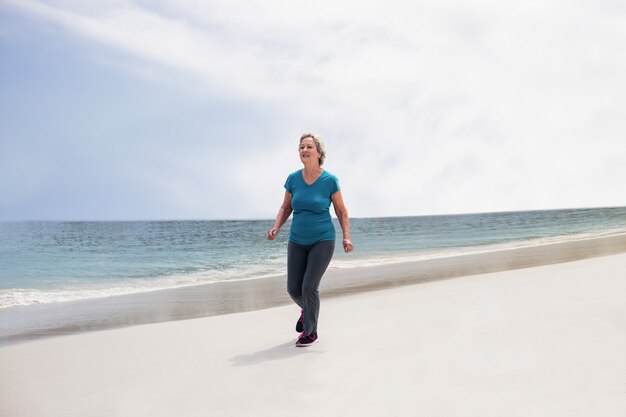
(52, 262)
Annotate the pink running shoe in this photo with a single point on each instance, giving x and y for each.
(307, 340)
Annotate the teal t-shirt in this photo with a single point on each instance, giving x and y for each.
(311, 218)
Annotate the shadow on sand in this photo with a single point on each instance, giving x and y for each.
(282, 351)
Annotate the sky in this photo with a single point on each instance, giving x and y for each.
(189, 109)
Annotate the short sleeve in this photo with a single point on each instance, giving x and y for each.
(288, 185)
(334, 185)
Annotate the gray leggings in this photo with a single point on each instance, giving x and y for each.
(305, 266)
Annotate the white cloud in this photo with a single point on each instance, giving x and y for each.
(428, 107)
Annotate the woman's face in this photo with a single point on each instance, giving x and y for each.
(308, 151)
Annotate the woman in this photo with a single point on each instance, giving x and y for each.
(308, 193)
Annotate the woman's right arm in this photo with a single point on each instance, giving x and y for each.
(283, 214)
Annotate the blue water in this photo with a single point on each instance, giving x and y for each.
(44, 262)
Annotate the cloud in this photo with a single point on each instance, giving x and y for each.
(428, 107)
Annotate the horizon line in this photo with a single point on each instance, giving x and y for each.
(270, 218)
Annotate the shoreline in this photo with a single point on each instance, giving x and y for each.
(341, 261)
(25, 323)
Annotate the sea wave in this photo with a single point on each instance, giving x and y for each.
(29, 296)
(25, 296)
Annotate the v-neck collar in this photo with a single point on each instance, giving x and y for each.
(311, 184)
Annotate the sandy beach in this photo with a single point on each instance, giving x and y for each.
(546, 340)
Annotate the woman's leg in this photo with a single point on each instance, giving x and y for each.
(296, 266)
(319, 257)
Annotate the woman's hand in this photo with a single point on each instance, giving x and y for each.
(271, 234)
(344, 221)
(283, 214)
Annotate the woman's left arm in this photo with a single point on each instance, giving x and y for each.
(344, 221)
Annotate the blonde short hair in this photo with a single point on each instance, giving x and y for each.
(319, 143)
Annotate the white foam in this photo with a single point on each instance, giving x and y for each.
(25, 297)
